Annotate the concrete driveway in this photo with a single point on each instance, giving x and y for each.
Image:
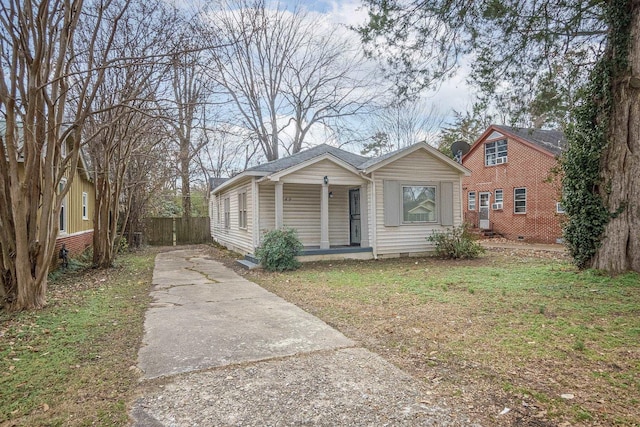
(219, 350)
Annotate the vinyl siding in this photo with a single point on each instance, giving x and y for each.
(234, 237)
(302, 211)
(315, 173)
(415, 168)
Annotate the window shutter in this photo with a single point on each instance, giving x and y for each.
(392, 203)
(446, 203)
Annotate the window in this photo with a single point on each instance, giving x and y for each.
(419, 204)
(471, 201)
(495, 152)
(227, 212)
(498, 199)
(62, 220)
(242, 210)
(520, 200)
(559, 208)
(85, 209)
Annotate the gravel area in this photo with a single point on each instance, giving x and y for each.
(347, 387)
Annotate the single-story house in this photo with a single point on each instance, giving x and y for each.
(342, 205)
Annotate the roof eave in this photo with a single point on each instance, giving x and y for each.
(235, 179)
(413, 148)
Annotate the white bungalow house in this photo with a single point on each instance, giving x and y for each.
(342, 205)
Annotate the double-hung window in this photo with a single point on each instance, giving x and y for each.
(520, 200)
(495, 153)
(85, 209)
(419, 203)
(471, 202)
(498, 197)
(242, 210)
(227, 212)
(62, 221)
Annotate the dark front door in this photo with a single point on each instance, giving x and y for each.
(354, 217)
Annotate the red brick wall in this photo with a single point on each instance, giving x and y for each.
(75, 243)
(526, 167)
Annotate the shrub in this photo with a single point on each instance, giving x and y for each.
(279, 249)
(456, 243)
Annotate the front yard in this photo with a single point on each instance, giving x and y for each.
(515, 338)
(510, 333)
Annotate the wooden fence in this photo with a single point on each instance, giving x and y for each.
(177, 231)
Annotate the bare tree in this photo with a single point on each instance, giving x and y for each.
(282, 68)
(125, 112)
(41, 138)
(401, 124)
(186, 108)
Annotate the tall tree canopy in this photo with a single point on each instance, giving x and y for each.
(543, 50)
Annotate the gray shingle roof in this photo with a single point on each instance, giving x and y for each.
(278, 165)
(550, 140)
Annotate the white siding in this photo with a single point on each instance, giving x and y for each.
(267, 194)
(339, 215)
(414, 168)
(234, 238)
(302, 211)
(315, 173)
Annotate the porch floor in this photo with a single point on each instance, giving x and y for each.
(315, 250)
(315, 253)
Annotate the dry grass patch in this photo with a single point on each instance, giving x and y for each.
(509, 330)
(69, 364)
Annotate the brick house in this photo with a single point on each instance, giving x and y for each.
(512, 190)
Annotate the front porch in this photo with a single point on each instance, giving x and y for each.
(314, 253)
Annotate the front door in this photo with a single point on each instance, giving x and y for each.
(484, 211)
(354, 217)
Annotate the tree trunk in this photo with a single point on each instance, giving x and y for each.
(620, 246)
(184, 177)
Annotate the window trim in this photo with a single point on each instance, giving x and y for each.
(498, 202)
(242, 210)
(85, 205)
(436, 195)
(494, 144)
(469, 201)
(515, 201)
(227, 212)
(63, 217)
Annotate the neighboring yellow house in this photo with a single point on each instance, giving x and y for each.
(76, 216)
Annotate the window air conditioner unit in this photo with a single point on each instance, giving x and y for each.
(501, 160)
(496, 206)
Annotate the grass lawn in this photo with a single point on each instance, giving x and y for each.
(73, 363)
(508, 330)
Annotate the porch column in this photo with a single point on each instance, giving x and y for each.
(324, 217)
(364, 216)
(279, 205)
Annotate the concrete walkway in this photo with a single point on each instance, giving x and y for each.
(219, 350)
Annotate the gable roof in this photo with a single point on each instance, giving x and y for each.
(286, 162)
(378, 162)
(360, 163)
(551, 142)
(83, 163)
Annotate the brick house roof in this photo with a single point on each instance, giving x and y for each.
(550, 140)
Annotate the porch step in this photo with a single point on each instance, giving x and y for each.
(247, 264)
(252, 258)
